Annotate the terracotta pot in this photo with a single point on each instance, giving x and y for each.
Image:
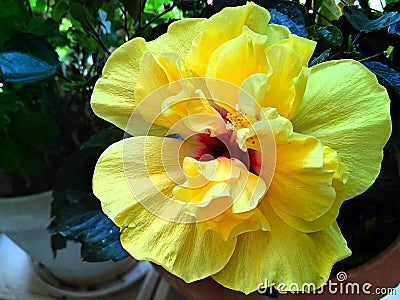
(374, 279)
(25, 219)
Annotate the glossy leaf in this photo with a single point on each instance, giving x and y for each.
(321, 58)
(22, 67)
(394, 28)
(77, 213)
(386, 75)
(360, 21)
(291, 15)
(329, 34)
(27, 58)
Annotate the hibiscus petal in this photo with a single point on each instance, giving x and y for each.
(304, 48)
(282, 256)
(248, 47)
(223, 27)
(134, 167)
(326, 207)
(114, 97)
(301, 186)
(229, 225)
(347, 110)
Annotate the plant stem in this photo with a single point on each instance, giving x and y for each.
(372, 56)
(28, 5)
(154, 19)
(98, 39)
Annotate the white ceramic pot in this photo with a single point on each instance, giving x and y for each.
(25, 219)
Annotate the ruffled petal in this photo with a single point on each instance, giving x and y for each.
(143, 172)
(282, 256)
(326, 208)
(301, 186)
(114, 95)
(347, 110)
(222, 178)
(304, 48)
(248, 47)
(223, 27)
(285, 67)
(229, 225)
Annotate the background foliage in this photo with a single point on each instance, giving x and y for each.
(52, 52)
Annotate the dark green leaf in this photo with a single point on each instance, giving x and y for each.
(97, 233)
(37, 130)
(133, 7)
(104, 138)
(22, 67)
(295, 27)
(329, 34)
(60, 9)
(387, 76)
(77, 213)
(17, 159)
(360, 21)
(43, 27)
(58, 242)
(13, 16)
(321, 58)
(394, 28)
(292, 15)
(10, 102)
(4, 119)
(27, 58)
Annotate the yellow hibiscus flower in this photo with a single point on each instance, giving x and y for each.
(241, 155)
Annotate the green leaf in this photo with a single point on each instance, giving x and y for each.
(394, 28)
(386, 75)
(27, 58)
(43, 27)
(4, 119)
(329, 34)
(328, 9)
(133, 7)
(361, 23)
(17, 159)
(36, 130)
(77, 213)
(104, 138)
(292, 15)
(14, 17)
(60, 9)
(10, 102)
(321, 58)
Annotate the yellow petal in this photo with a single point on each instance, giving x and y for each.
(248, 48)
(325, 207)
(177, 247)
(282, 256)
(114, 95)
(304, 48)
(223, 27)
(229, 225)
(301, 186)
(347, 110)
(285, 66)
(137, 168)
(211, 181)
(194, 111)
